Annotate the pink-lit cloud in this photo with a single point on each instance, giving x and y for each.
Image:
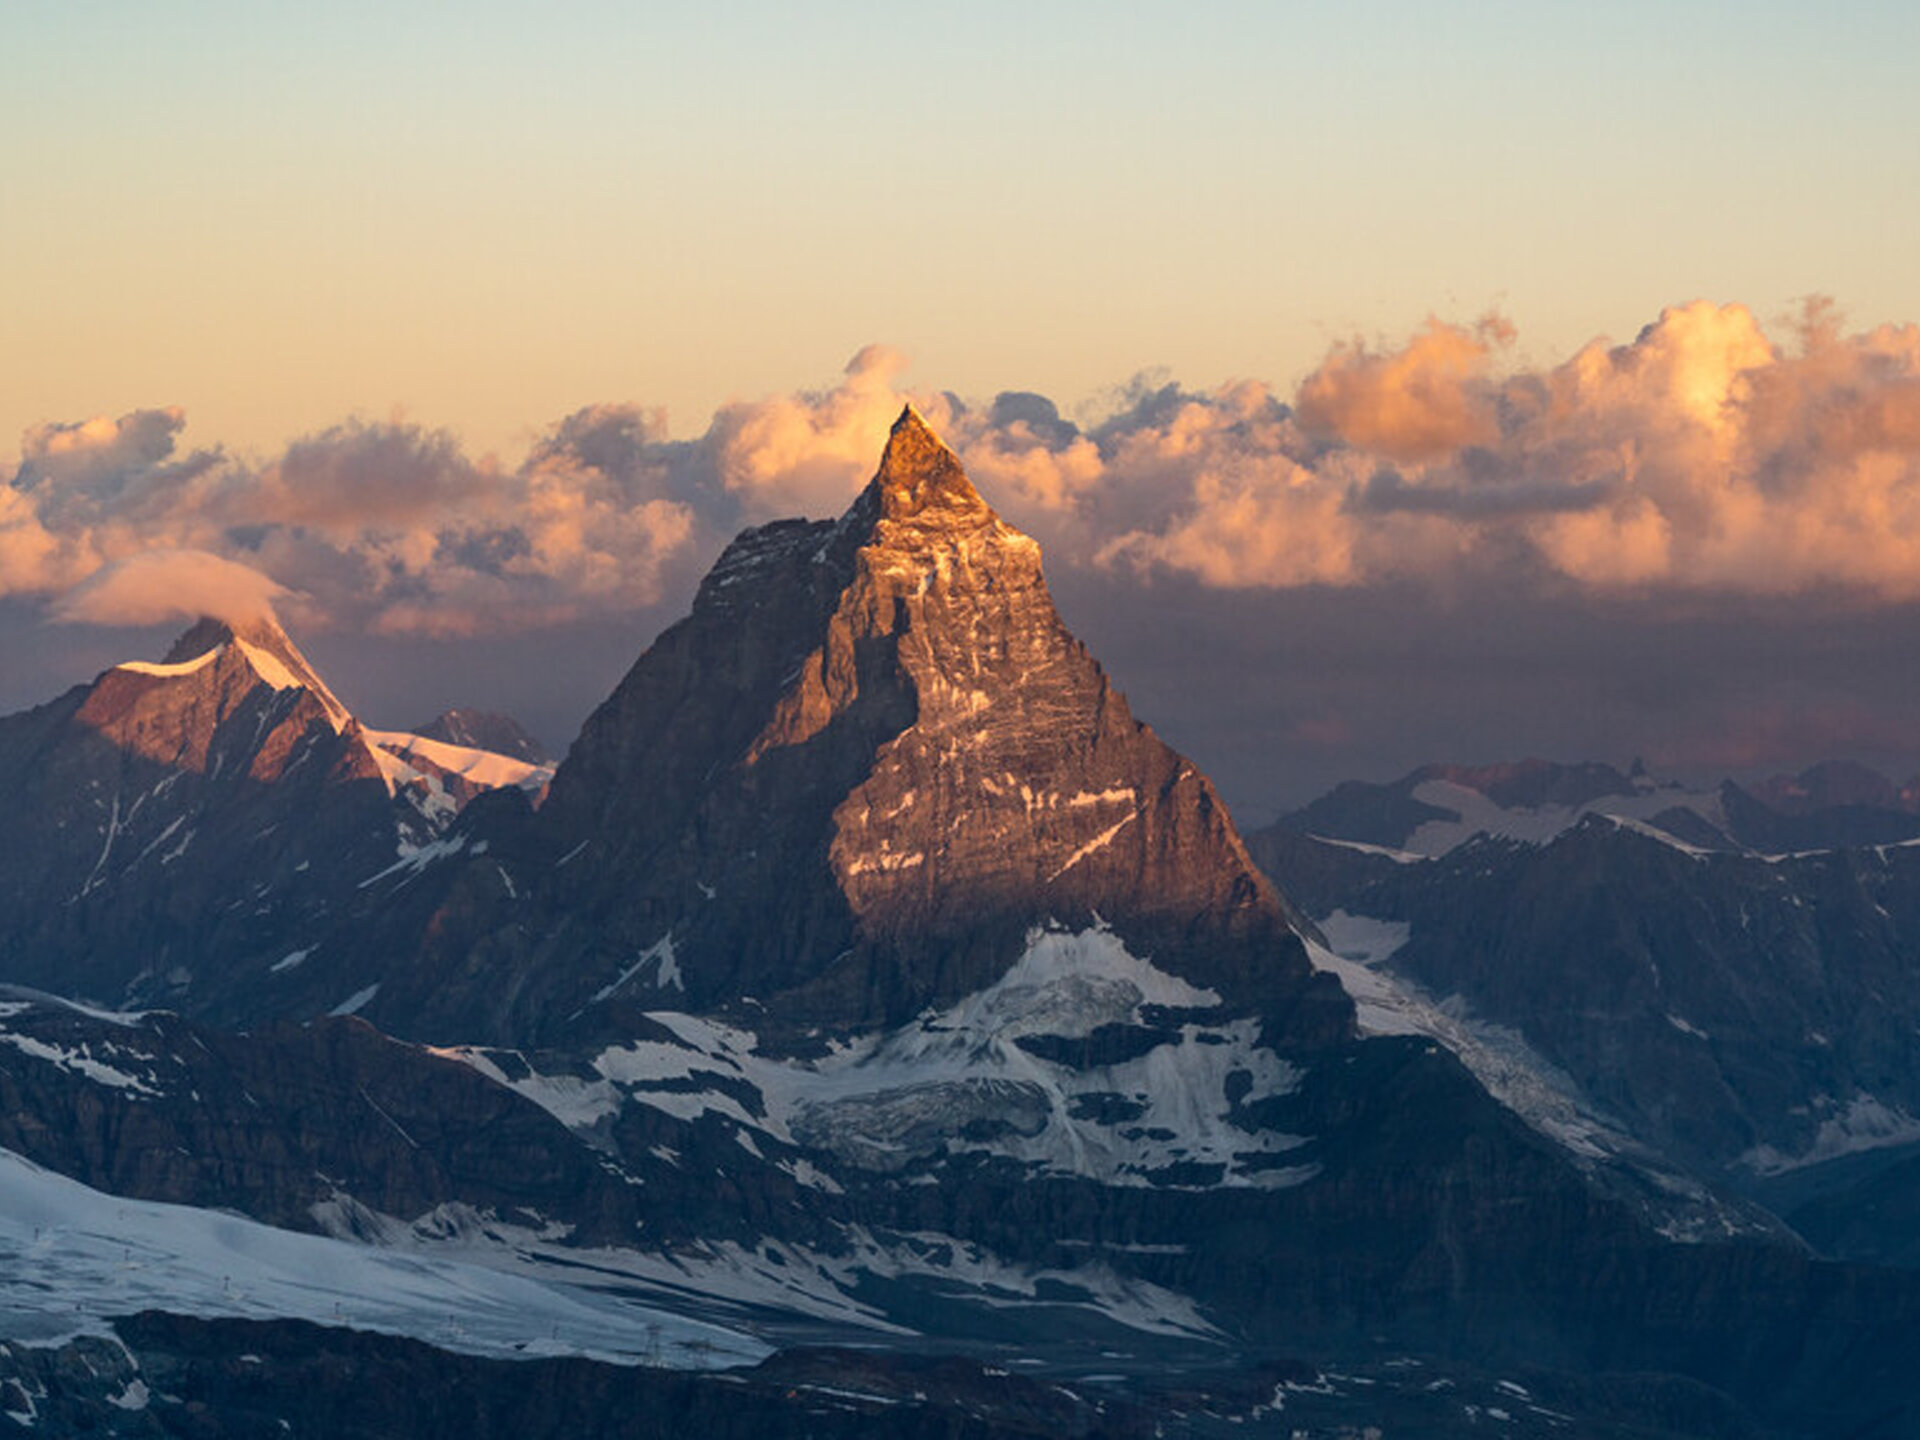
(1428, 399)
(158, 586)
(1702, 457)
(809, 453)
(388, 527)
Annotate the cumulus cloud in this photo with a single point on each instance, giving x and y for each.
(389, 527)
(809, 453)
(92, 471)
(1701, 456)
(1427, 399)
(33, 558)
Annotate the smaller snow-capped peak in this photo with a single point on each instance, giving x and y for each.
(266, 648)
(237, 657)
(484, 730)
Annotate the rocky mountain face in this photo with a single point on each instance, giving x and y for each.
(176, 828)
(846, 787)
(1749, 1017)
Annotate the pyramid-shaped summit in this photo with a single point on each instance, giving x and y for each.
(919, 473)
(851, 782)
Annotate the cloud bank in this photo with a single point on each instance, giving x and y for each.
(1700, 458)
(1703, 458)
(1702, 545)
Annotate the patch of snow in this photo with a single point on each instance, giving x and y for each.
(1654, 832)
(575, 1102)
(1510, 1069)
(397, 774)
(178, 850)
(357, 1001)
(885, 861)
(1867, 1123)
(269, 667)
(805, 1172)
(660, 953)
(1480, 815)
(958, 1080)
(185, 667)
(669, 971)
(81, 1062)
(414, 859)
(1399, 857)
(27, 996)
(160, 839)
(1516, 1075)
(483, 767)
(275, 672)
(112, 833)
(1099, 842)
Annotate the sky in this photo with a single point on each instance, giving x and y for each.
(1386, 382)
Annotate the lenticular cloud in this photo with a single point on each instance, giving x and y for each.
(154, 587)
(1704, 456)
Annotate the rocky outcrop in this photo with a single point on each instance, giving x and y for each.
(283, 1122)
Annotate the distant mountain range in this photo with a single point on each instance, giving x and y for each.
(1436, 807)
(869, 1003)
(1728, 980)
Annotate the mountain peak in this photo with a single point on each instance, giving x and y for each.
(920, 477)
(865, 769)
(268, 649)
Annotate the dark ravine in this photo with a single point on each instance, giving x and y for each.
(248, 1378)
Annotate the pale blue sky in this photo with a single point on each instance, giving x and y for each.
(488, 214)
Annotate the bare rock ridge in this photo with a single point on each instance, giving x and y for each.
(483, 730)
(869, 761)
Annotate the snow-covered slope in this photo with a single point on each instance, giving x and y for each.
(1357, 949)
(72, 1258)
(1082, 1060)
